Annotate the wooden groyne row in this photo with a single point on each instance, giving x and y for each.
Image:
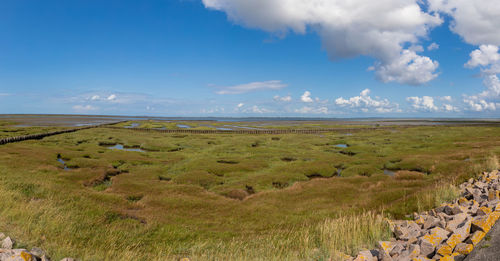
(274, 131)
(38, 136)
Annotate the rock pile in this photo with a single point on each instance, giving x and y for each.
(7, 253)
(449, 232)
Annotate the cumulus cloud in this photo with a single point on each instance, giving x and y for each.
(477, 21)
(487, 58)
(287, 98)
(409, 68)
(380, 29)
(102, 97)
(446, 98)
(84, 108)
(432, 47)
(425, 103)
(306, 97)
(257, 109)
(365, 103)
(492, 84)
(240, 105)
(312, 110)
(484, 56)
(250, 87)
(450, 108)
(480, 105)
(217, 109)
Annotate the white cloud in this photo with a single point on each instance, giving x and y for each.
(492, 84)
(84, 108)
(487, 59)
(433, 46)
(379, 29)
(306, 97)
(366, 103)
(287, 98)
(409, 68)
(101, 97)
(484, 56)
(450, 108)
(217, 109)
(312, 110)
(446, 98)
(111, 97)
(425, 103)
(253, 86)
(240, 105)
(480, 105)
(257, 109)
(477, 21)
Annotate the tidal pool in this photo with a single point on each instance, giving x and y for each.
(120, 147)
(132, 125)
(389, 172)
(64, 163)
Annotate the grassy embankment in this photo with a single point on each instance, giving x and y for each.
(229, 197)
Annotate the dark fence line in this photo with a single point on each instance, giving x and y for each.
(274, 131)
(38, 136)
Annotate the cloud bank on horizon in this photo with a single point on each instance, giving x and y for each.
(390, 31)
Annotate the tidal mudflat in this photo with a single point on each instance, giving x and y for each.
(230, 196)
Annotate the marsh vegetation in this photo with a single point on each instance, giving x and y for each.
(229, 196)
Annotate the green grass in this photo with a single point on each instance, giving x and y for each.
(229, 197)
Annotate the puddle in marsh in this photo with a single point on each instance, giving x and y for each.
(341, 145)
(83, 124)
(389, 172)
(229, 127)
(133, 125)
(242, 127)
(183, 126)
(64, 163)
(467, 159)
(120, 147)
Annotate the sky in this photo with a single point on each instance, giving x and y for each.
(251, 58)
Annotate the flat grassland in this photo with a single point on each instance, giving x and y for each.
(120, 194)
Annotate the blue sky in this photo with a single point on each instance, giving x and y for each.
(318, 58)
